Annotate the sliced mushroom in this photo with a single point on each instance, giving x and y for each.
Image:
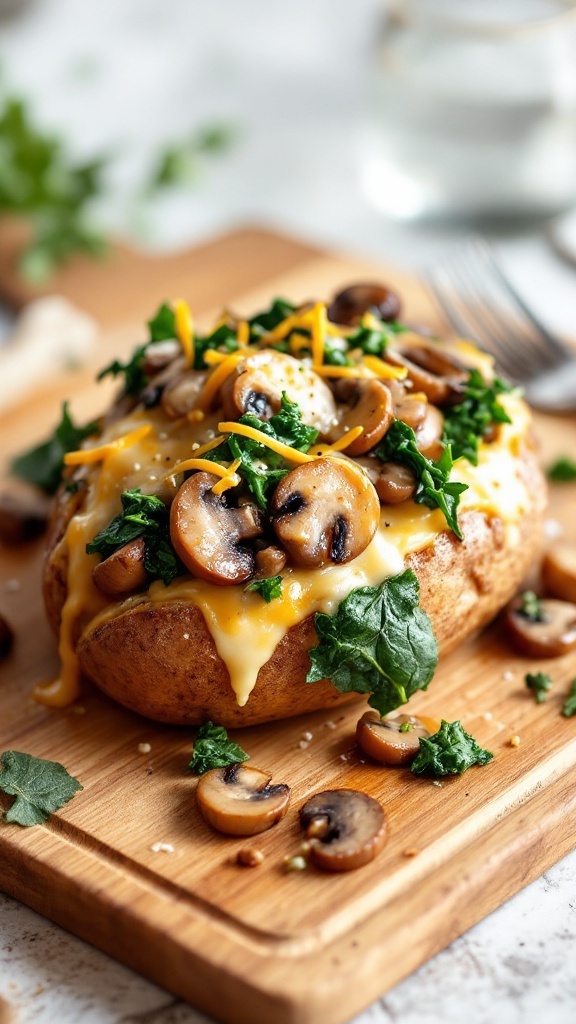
(395, 483)
(431, 370)
(123, 571)
(159, 354)
(270, 560)
(180, 396)
(325, 511)
(22, 516)
(393, 740)
(345, 828)
(370, 407)
(429, 433)
(240, 801)
(258, 382)
(350, 304)
(411, 409)
(554, 635)
(208, 534)
(559, 571)
(6, 638)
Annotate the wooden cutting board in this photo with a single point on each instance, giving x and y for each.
(251, 946)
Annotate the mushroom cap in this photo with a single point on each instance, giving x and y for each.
(345, 828)
(207, 533)
(559, 571)
(181, 394)
(325, 511)
(431, 369)
(371, 408)
(395, 483)
(349, 305)
(429, 433)
(123, 571)
(383, 740)
(239, 801)
(553, 636)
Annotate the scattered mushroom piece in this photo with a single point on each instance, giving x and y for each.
(431, 370)
(350, 304)
(325, 511)
(6, 638)
(270, 560)
(22, 517)
(429, 433)
(410, 408)
(123, 571)
(386, 741)
(208, 534)
(180, 396)
(160, 354)
(370, 407)
(345, 828)
(554, 635)
(240, 801)
(395, 483)
(559, 571)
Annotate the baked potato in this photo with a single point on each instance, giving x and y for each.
(250, 478)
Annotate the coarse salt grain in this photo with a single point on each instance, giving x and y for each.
(186, 636)
(162, 848)
(303, 744)
(144, 748)
(436, 782)
(307, 736)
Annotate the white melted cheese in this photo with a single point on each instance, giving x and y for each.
(245, 629)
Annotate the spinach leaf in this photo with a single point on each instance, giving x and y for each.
(43, 464)
(269, 588)
(433, 486)
(563, 470)
(268, 319)
(40, 787)
(539, 683)
(569, 708)
(143, 515)
(213, 749)
(162, 325)
(450, 751)
(471, 420)
(379, 641)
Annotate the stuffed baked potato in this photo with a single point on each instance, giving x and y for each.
(251, 478)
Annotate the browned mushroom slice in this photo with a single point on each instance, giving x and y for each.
(429, 433)
(370, 407)
(396, 483)
(393, 740)
(208, 534)
(123, 571)
(553, 635)
(180, 395)
(240, 801)
(411, 409)
(270, 560)
(325, 511)
(559, 571)
(350, 304)
(258, 382)
(345, 828)
(22, 516)
(432, 371)
(6, 638)
(160, 354)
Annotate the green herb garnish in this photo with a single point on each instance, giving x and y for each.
(563, 470)
(40, 787)
(531, 607)
(450, 751)
(373, 341)
(180, 163)
(433, 485)
(143, 515)
(468, 422)
(569, 708)
(266, 321)
(43, 465)
(539, 683)
(379, 641)
(269, 588)
(213, 749)
(407, 727)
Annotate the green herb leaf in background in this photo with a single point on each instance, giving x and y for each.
(563, 470)
(213, 749)
(379, 641)
(181, 162)
(531, 607)
(40, 787)
(450, 751)
(143, 515)
(433, 485)
(43, 465)
(269, 588)
(468, 422)
(569, 708)
(539, 683)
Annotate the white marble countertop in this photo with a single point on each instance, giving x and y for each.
(126, 77)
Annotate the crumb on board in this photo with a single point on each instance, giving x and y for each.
(162, 848)
(436, 782)
(303, 744)
(297, 863)
(508, 676)
(249, 857)
(514, 741)
(552, 529)
(329, 724)
(307, 736)
(410, 851)
(144, 748)
(487, 716)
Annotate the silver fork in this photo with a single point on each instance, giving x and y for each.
(480, 303)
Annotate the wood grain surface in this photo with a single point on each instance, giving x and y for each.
(251, 946)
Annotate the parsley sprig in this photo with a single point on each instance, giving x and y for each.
(539, 683)
(40, 787)
(43, 464)
(213, 749)
(569, 707)
(433, 485)
(450, 751)
(468, 422)
(563, 470)
(269, 588)
(143, 515)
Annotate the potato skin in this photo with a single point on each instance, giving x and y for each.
(140, 658)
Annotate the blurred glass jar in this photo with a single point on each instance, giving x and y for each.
(474, 110)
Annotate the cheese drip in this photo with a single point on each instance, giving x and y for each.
(495, 487)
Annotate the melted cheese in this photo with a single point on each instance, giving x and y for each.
(495, 487)
(100, 452)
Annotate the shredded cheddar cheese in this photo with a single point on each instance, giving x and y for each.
(384, 370)
(243, 333)
(185, 329)
(217, 378)
(319, 320)
(288, 453)
(230, 480)
(203, 465)
(102, 451)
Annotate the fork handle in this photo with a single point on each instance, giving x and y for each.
(554, 390)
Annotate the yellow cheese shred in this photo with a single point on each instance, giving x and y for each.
(384, 370)
(319, 320)
(203, 465)
(185, 329)
(288, 453)
(243, 333)
(102, 451)
(230, 480)
(217, 378)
